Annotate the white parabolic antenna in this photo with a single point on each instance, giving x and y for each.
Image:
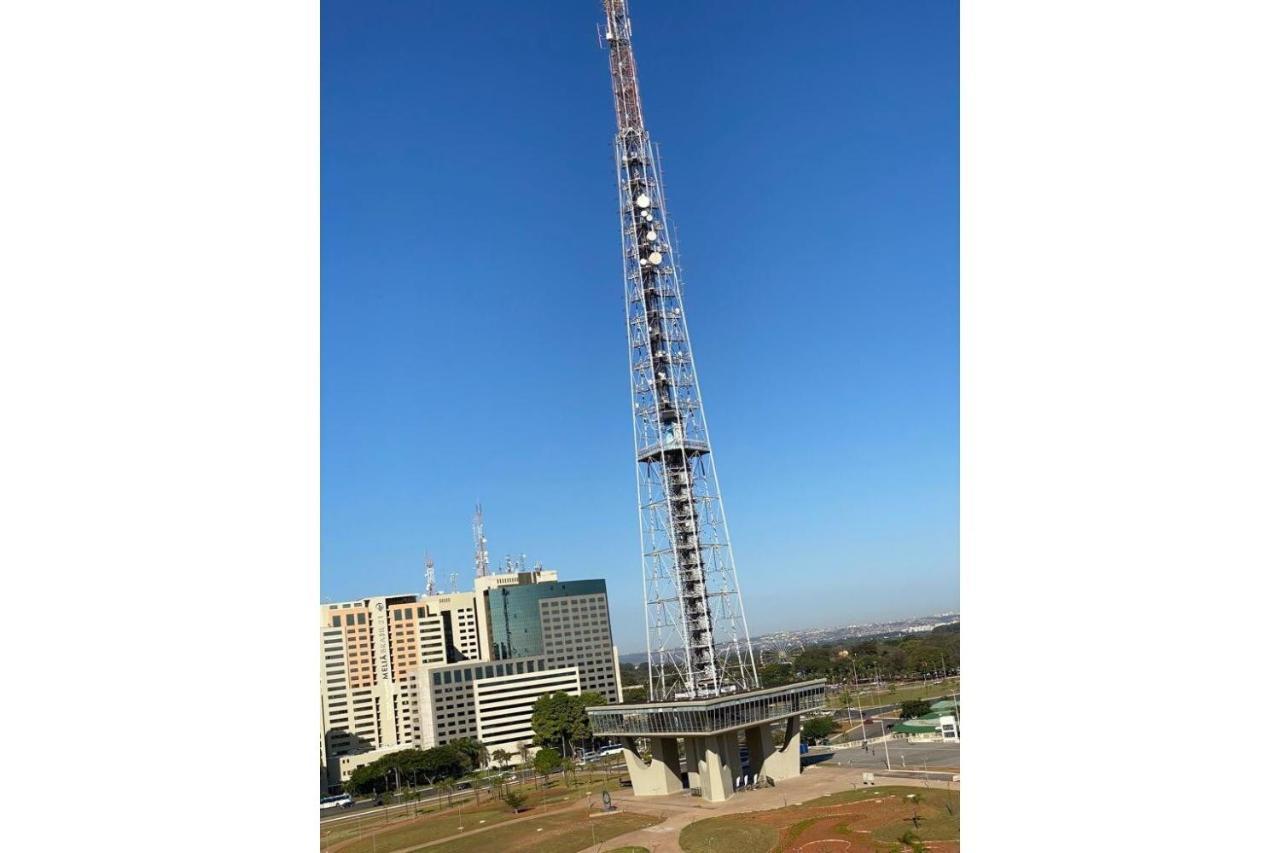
(642, 201)
(655, 258)
(652, 235)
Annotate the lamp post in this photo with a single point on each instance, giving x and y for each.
(858, 697)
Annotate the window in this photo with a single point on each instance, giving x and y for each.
(360, 618)
(399, 615)
(422, 613)
(337, 621)
(435, 678)
(351, 619)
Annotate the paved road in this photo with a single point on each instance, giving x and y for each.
(917, 755)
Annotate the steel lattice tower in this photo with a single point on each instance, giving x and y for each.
(697, 637)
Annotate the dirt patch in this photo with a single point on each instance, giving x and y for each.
(870, 825)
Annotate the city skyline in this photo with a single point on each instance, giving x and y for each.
(471, 333)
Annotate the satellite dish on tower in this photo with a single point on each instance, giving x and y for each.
(642, 201)
(655, 258)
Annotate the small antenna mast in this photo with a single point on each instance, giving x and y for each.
(431, 575)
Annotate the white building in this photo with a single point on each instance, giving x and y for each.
(405, 671)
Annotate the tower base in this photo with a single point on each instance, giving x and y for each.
(713, 732)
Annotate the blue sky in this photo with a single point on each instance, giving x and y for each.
(473, 344)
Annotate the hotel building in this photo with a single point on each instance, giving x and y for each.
(419, 671)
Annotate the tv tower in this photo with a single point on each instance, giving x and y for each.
(697, 638)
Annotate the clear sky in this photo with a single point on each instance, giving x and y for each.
(473, 341)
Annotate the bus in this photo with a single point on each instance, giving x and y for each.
(340, 801)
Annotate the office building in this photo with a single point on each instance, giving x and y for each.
(421, 670)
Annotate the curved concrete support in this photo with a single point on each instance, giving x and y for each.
(784, 762)
(662, 775)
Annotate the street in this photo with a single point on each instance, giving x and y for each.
(918, 756)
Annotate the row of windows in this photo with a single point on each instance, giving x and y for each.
(487, 671)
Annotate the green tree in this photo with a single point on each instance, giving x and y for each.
(558, 719)
(442, 762)
(473, 750)
(635, 693)
(500, 757)
(914, 708)
(818, 727)
(522, 749)
(514, 798)
(547, 761)
(776, 675)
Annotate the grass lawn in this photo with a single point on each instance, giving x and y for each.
(898, 696)
(567, 832)
(881, 816)
(401, 827)
(627, 850)
(727, 833)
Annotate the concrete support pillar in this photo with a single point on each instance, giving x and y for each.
(784, 763)
(717, 783)
(691, 752)
(662, 776)
(759, 748)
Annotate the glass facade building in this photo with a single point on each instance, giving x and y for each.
(516, 613)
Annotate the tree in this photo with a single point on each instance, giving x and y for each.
(442, 762)
(818, 727)
(776, 675)
(514, 798)
(635, 693)
(473, 750)
(500, 757)
(522, 749)
(914, 708)
(547, 761)
(365, 780)
(558, 719)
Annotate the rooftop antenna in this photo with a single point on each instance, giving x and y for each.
(431, 575)
(453, 582)
(482, 544)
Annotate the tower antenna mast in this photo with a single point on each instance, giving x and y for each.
(697, 638)
(431, 575)
(482, 544)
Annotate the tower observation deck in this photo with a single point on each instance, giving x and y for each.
(697, 639)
